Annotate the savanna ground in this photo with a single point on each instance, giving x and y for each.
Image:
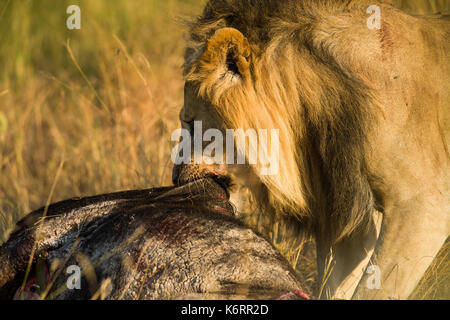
(100, 104)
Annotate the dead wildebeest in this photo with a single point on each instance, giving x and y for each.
(165, 243)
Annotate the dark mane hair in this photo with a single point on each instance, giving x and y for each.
(300, 71)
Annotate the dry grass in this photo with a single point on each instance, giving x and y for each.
(104, 100)
(113, 127)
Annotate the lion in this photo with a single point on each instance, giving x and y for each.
(363, 116)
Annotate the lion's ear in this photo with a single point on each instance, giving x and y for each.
(228, 48)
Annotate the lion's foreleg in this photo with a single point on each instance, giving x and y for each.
(411, 236)
(343, 266)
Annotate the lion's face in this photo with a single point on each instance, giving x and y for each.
(228, 89)
(222, 70)
(197, 110)
(199, 116)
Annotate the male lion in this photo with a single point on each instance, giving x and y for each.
(364, 121)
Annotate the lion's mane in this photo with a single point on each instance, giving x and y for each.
(293, 79)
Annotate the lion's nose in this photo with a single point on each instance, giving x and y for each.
(188, 125)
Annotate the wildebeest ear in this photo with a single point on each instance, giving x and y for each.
(230, 49)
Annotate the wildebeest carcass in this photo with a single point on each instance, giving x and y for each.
(166, 243)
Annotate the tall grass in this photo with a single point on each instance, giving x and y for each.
(110, 119)
(103, 101)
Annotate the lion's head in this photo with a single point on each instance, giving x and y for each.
(247, 69)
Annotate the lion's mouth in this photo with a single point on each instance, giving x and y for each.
(179, 178)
